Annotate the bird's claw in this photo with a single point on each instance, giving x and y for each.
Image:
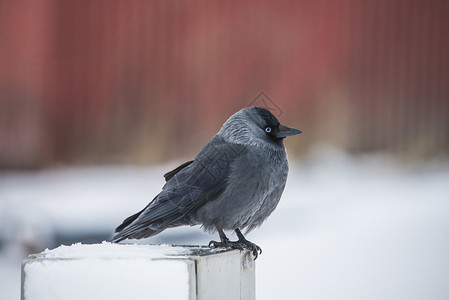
(240, 245)
(215, 244)
(255, 250)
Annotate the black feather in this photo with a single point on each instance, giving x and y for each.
(167, 177)
(131, 219)
(172, 173)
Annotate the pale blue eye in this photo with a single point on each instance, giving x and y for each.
(268, 129)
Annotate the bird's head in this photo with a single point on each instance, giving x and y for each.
(256, 125)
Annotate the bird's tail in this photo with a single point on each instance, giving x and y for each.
(135, 234)
(127, 231)
(142, 225)
(128, 221)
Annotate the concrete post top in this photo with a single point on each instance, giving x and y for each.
(116, 251)
(136, 271)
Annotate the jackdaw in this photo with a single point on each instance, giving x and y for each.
(234, 183)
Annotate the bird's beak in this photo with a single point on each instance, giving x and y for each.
(285, 131)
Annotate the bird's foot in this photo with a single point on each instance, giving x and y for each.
(240, 245)
(215, 244)
(245, 244)
(225, 243)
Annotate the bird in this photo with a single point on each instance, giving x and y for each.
(234, 183)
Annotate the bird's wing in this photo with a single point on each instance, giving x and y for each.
(189, 188)
(172, 173)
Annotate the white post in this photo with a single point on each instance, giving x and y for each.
(125, 271)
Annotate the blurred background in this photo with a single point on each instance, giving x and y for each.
(99, 98)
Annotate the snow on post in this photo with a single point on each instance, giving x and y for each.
(125, 271)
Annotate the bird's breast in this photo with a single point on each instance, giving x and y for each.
(253, 189)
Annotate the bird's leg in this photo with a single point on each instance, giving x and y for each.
(225, 243)
(242, 242)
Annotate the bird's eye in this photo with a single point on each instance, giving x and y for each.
(268, 129)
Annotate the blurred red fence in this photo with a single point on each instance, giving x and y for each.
(144, 81)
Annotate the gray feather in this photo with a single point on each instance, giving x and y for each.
(235, 181)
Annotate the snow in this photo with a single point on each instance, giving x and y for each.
(107, 271)
(107, 250)
(346, 228)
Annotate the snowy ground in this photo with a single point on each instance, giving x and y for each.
(346, 228)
